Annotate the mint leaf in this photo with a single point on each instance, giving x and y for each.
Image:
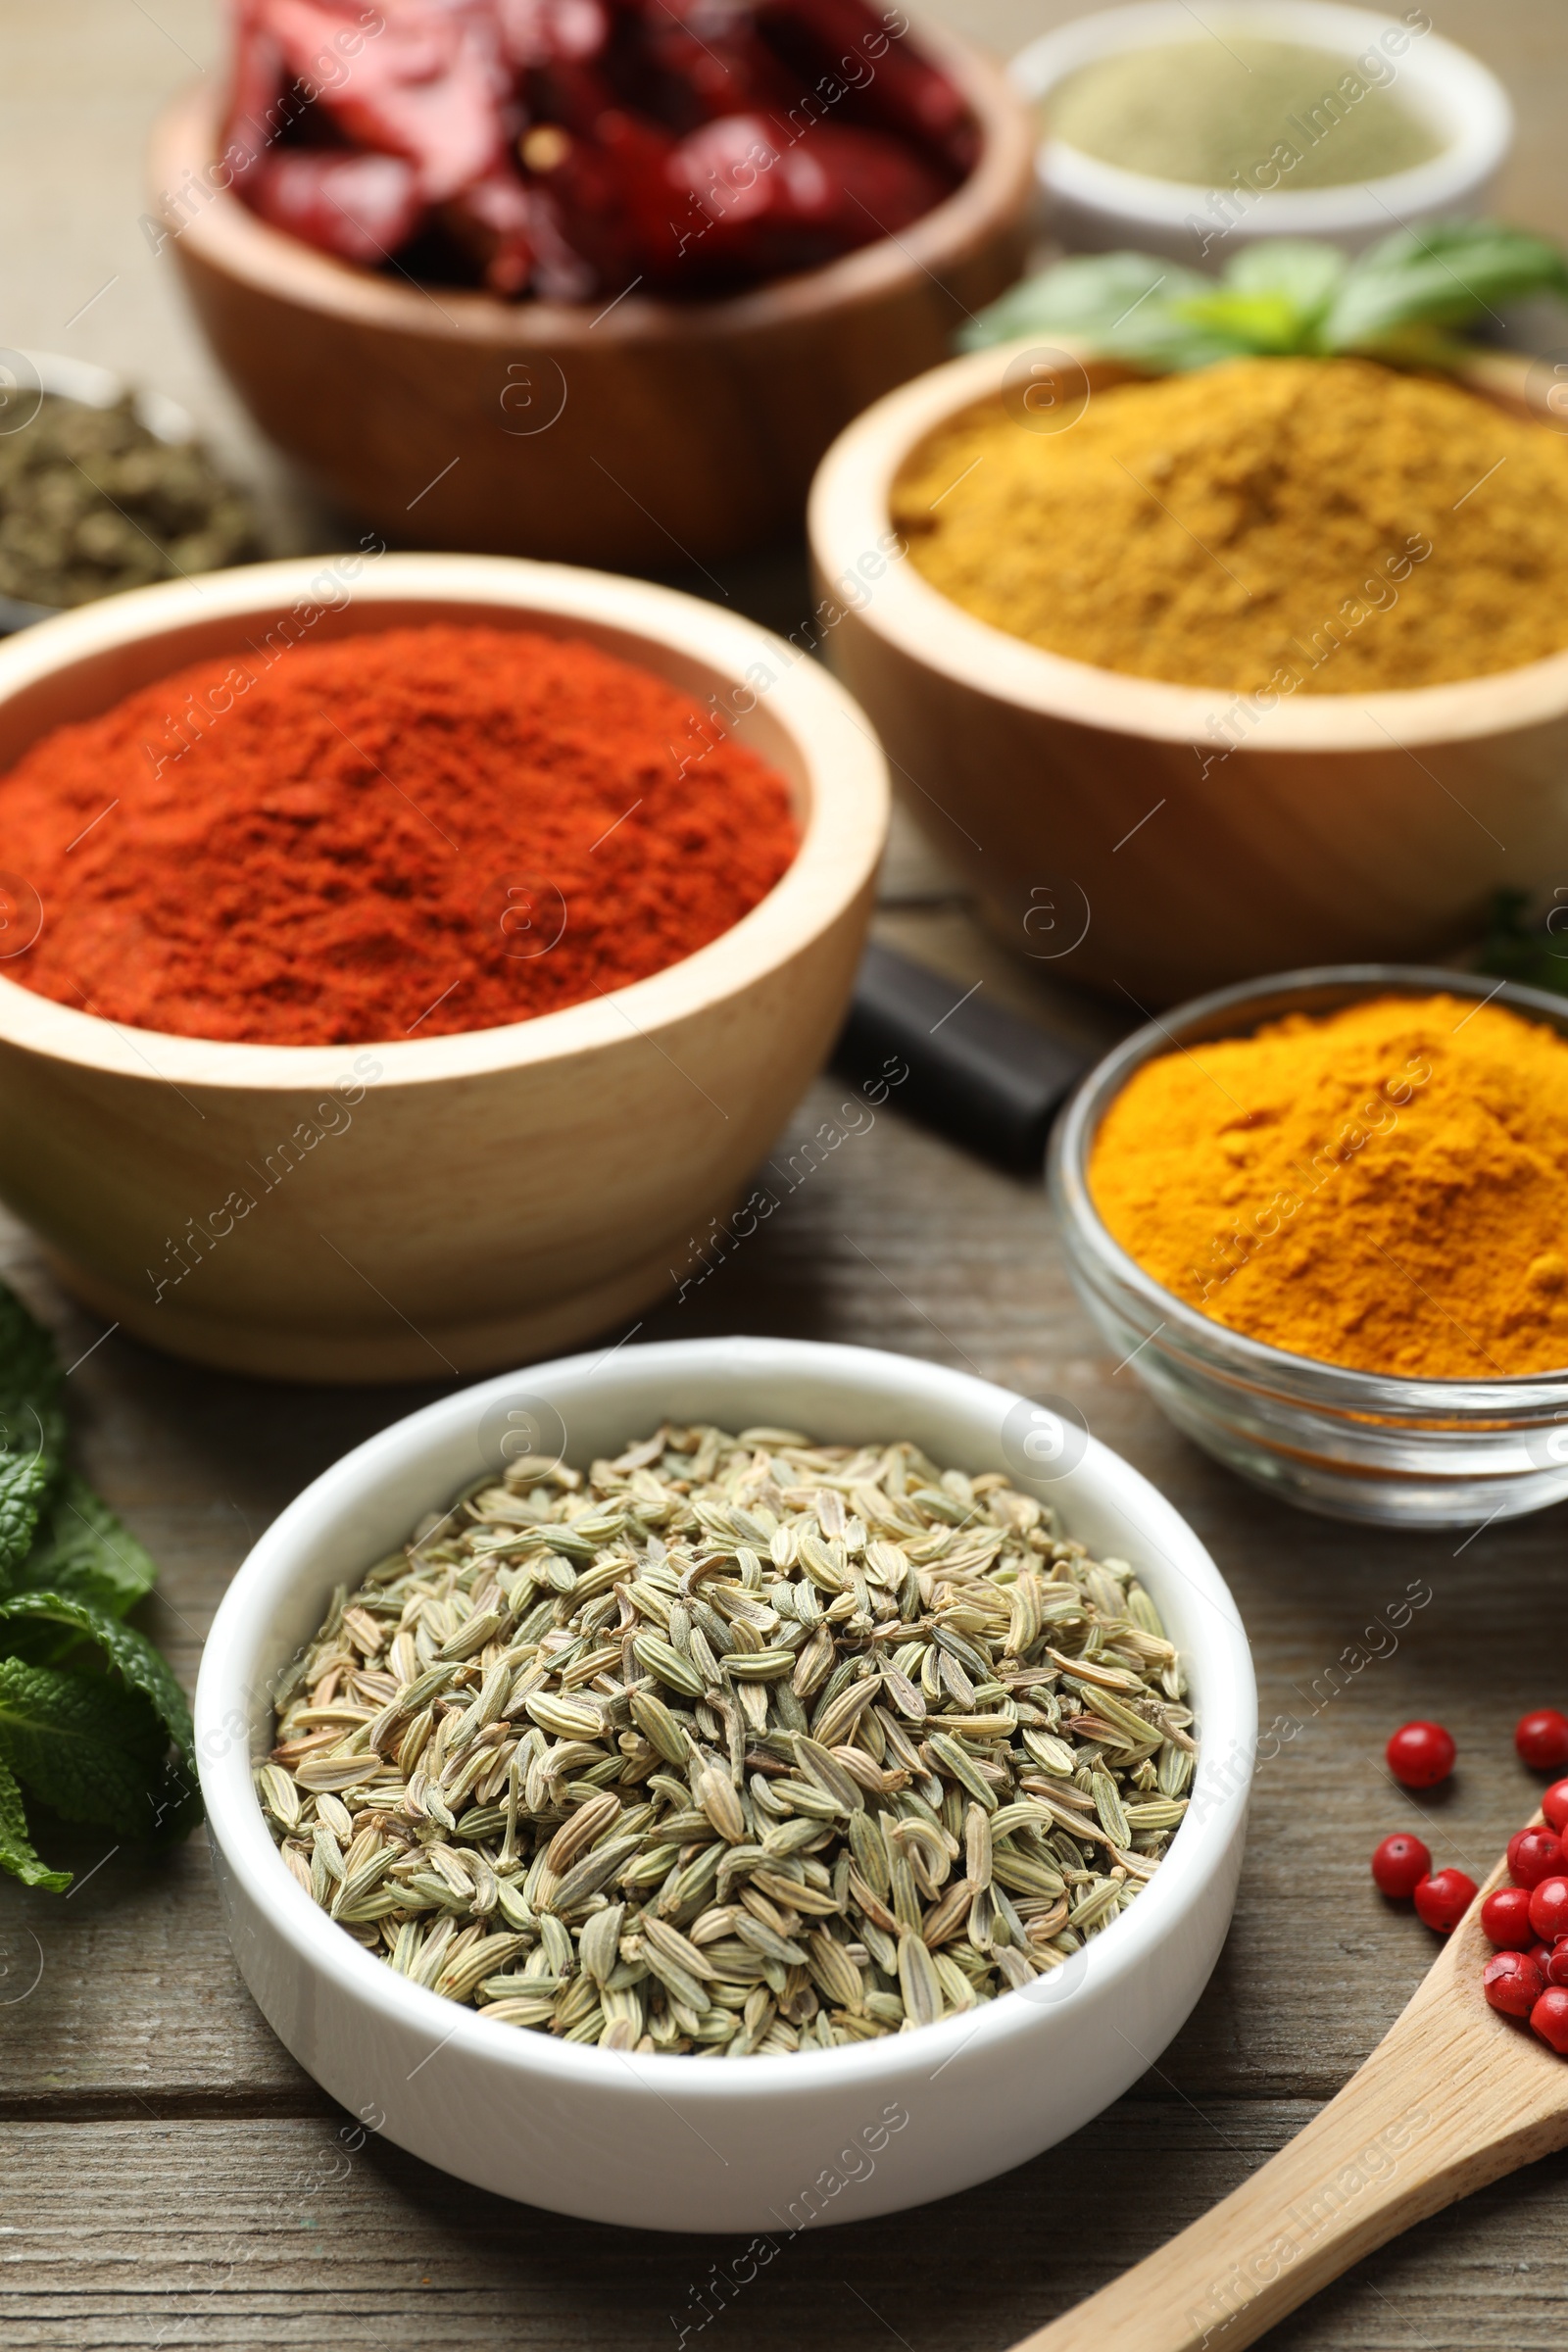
(92, 1750)
(31, 1417)
(24, 1484)
(1445, 275)
(145, 1670)
(17, 1854)
(94, 1740)
(1521, 947)
(82, 1551)
(171, 1804)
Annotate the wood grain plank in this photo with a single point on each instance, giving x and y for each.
(291, 2234)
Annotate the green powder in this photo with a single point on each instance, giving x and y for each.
(1207, 111)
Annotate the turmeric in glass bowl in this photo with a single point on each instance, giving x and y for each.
(1385, 1187)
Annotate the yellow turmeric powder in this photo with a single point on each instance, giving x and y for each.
(1292, 525)
(1385, 1188)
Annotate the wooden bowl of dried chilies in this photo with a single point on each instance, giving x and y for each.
(676, 292)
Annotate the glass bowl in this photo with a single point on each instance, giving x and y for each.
(1360, 1446)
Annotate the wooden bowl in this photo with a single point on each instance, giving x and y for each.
(628, 432)
(448, 1204)
(1157, 840)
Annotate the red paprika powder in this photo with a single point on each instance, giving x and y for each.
(407, 834)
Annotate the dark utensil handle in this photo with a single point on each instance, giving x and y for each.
(978, 1074)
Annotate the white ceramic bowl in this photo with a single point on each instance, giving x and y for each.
(1098, 207)
(674, 2142)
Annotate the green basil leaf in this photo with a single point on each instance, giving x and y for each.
(1303, 273)
(1445, 275)
(24, 1484)
(17, 1852)
(84, 1551)
(1114, 303)
(92, 1750)
(1282, 295)
(31, 1417)
(1262, 325)
(1272, 298)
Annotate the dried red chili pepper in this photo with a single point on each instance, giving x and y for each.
(759, 206)
(430, 87)
(858, 55)
(700, 61)
(613, 197)
(493, 220)
(544, 33)
(360, 206)
(675, 142)
(255, 100)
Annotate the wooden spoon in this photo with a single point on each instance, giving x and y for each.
(1452, 2097)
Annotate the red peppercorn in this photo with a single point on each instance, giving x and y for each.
(1548, 1909)
(1513, 1983)
(1541, 1738)
(1557, 1969)
(1442, 1901)
(1505, 1919)
(1399, 1864)
(1550, 2018)
(1554, 1805)
(1533, 1855)
(1542, 1954)
(1420, 1755)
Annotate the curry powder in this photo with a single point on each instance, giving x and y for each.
(1322, 527)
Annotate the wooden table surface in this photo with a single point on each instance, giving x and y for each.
(171, 2176)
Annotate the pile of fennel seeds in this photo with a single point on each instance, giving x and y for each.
(735, 1745)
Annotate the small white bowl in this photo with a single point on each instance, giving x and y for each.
(1098, 207)
(675, 2143)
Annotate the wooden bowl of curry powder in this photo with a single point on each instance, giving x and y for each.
(1378, 737)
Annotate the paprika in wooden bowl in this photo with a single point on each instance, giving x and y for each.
(636, 428)
(347, 1207)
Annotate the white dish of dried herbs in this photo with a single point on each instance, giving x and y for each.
(732, 1744)
(867, 1759)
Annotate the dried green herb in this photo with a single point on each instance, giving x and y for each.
(733, 1745)
(91, 502)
